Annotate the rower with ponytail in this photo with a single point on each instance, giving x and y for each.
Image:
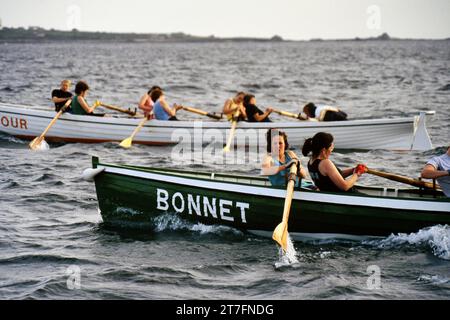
(325, 174)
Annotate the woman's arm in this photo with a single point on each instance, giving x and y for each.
(84, 105)
(347, 172)
(142, 102)
(170, 111)
(430, 172)
(227, 107)
(268, 169)
(327, 168)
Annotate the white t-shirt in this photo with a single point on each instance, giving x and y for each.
(442, 163)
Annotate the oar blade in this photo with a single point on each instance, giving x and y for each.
(126, 143)
(280, 235)
(39, 143)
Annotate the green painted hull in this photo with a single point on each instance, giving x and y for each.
(133, 196)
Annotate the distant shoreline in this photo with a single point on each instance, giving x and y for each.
(37, 34)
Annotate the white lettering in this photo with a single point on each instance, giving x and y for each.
(194, 204)
(211, 209)
(174, 202)
(243, 206)
(224, 210)
(162, 197)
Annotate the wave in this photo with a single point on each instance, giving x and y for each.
(173, 222)
(43, 258)
(445, 88)
(436, 237)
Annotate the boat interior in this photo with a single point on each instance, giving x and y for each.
(261, 181)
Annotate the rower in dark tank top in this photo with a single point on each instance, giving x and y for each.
(326, 176)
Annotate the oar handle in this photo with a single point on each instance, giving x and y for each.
(288, 114)
(201, 112)
(398, 178)
(60, 112)
(115, 108)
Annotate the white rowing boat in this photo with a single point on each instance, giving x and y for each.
(27, 122)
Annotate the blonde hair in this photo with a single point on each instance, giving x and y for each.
(66, 81)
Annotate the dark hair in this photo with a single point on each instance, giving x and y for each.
(317, 143)
(153, 88)
(81, 86)
(247, 99)
(273, 133)
(156, 93)
(310, 109)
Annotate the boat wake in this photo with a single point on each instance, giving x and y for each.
(436, 237)
(173, 222)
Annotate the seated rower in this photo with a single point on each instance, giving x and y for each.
(146, 103)
(161, 108)
(233, 105)
(323, 112)
(254, 114)
(439, 168)
(61, 95)
(278, 160)
(79, 105)
(324, 173)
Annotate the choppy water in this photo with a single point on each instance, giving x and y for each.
(49, 220)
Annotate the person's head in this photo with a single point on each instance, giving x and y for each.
(276, 140)
(321, 142)
(65, 85)
(149, 92)
(239, 98)
(81, 87)
(156, 94)
(310, 109)
(249, 99)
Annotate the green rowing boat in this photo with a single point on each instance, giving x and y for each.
(132, 196)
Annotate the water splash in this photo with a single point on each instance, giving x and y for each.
(288, 258)
(43, 146)
(437, 237)
(173, 222)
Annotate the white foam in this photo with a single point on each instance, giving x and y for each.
(43, 146)
(173, 222)
(288, 258)
(436, 279)
(437, 237)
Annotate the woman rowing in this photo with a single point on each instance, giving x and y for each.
(161, 108)
(323, 112)
(235, 106)
(79, 105)
(279, 159)
(324, 173)
(146, 103)
(254, 114)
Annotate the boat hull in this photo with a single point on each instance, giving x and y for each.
(394, 134)
(134, 197)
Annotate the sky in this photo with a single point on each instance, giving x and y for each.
(291, 19)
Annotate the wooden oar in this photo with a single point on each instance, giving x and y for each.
(233, 129)
(203, 113)
(398, 178)
(36, 143)
(126, 143)
(115, 108)
(280, 234)
(289, 114)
